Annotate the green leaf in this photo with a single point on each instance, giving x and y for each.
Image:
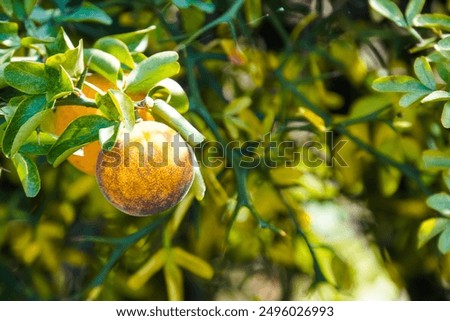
(435, 159)
(79, 133)
(399, 84)
(444, 44)
(29, 114)
(61, 83)
(434, 20)
(413, 9)
(87, 13)
(61, 44)
(440, 202)
(107, 106)
(172, 93)
(411, 98)
(192, 263)
(445, 117)
(28, 174)
(136, 41)
(174, 282)
(174, 119)
(156, 262)
(30, 41)
(107, 136)
(424, 72)
(151, 71)
(2, 76)
(429, 229)
(116, 48)
(38, 144)
(7, 7)
(444, 240)
(389, 10)
(103, 63)
(438, 95)
(71, 60)
(125, 106)
(28, 77)
(9, 36)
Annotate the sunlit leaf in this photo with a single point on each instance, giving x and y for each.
(413, 8)
(27, 117)
(440, 202)
(171, 92)
(433, 20)
(438, 95)
(136, 40)
(429, 229)
(28, 174)
(436, 159)
(116, 48)
(28, 77)
(71, 60)
(79, 133)
(411, 98)
(125, 106)
(151, 71)
(390, 10)
(87, 13)
(424, 72)
(399, 84)
(103, 63)
(445, 117)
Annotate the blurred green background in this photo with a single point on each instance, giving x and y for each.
(301, 70)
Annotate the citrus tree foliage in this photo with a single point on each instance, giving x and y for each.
(320, 127)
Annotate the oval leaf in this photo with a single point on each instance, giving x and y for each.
(389, 10)
(423, 71)
(125, 106)
(151, 71)
(434, 20)
(88, 13)
(116, 48)
(413, 9)
(103, 63)
(436, 159)
(429, 229)
(438, 95)
(136, 41)
(28, 174)
(26, 76)
(444, 240)
(440, 202)
(27, 117)
(445, 117)
(399, 84)
(79, 133)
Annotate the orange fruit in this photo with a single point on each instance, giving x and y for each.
(86, 159)
(148, 171)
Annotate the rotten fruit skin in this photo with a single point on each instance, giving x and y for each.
(144, 173)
